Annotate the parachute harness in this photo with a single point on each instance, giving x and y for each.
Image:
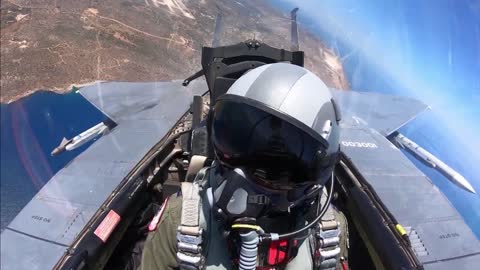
(190, 234)
(324, 243)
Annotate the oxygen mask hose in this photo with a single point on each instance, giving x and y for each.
(275, 236)
(248, 250)
(249, 245)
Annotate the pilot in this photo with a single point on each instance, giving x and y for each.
(265, 201)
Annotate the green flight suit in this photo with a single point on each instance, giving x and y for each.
(161, 245)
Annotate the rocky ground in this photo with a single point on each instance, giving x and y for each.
(53, 44)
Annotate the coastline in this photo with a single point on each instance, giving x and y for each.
(89, 43)
(58, 90)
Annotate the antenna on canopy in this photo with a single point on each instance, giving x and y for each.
(294, 28)
(218, 29)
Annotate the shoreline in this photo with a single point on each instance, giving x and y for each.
(57, 90)
(143, 43)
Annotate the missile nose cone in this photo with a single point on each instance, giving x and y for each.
(56, 151)
(463, 183)
(469, 188)
(61, 147)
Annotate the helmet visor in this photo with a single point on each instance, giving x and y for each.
(279, 154)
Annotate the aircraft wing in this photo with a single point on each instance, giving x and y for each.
(439, 236)
(144, 112)
(384, 113)
(126, 101)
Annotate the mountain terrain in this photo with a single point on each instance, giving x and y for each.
(55, 44)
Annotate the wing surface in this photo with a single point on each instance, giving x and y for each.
(123, 101)
(440, 237)
(49, 223)
(384, 113)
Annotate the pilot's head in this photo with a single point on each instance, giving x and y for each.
(276, 134)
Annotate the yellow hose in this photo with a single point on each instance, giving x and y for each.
(246, 226)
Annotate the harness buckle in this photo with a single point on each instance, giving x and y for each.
(258, 199)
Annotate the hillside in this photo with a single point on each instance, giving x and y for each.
(53, 44)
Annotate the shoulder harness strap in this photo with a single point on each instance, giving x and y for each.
(196, 164)
(189, 232)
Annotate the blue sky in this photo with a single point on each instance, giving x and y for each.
(426, 49)
(429, 50)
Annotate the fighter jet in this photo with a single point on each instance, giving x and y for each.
(86, 216)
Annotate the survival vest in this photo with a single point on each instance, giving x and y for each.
(201, 245)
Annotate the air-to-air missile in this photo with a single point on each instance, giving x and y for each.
(431, 160)
(80, 139)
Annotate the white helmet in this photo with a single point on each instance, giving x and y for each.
(280, 122)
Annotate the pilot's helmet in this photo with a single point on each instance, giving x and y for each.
(280, 123)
